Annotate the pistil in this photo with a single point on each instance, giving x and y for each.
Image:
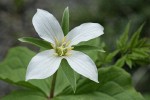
(62, 49)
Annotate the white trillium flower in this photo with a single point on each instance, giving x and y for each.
(47, 62)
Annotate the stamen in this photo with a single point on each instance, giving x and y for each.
(63, 44)
(62, 51)
(67, 44)
(56, 41)
(64, 39)
(70, 48)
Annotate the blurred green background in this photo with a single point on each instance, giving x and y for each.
(16, 21)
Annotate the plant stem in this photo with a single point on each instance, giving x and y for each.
(52, 86)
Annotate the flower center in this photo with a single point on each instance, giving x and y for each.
(63, 48)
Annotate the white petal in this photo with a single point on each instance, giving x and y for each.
(47, 26)
(83, 65)
(84, 32)
(43, 65)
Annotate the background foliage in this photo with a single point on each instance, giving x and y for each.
(15, 22)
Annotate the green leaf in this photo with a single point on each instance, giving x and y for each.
(124, 37)
(147, 96)
(115, 84)
(61, 82)
(111, 55)
(69, 74)
(143, 42)
(65, 21)
(129, 62)
(13, 70)
(120, 62)
(88, 48)
(94, 42)
(139, 53)
(14, 65)
(135, 37)
(25, 95)
(36, 41)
